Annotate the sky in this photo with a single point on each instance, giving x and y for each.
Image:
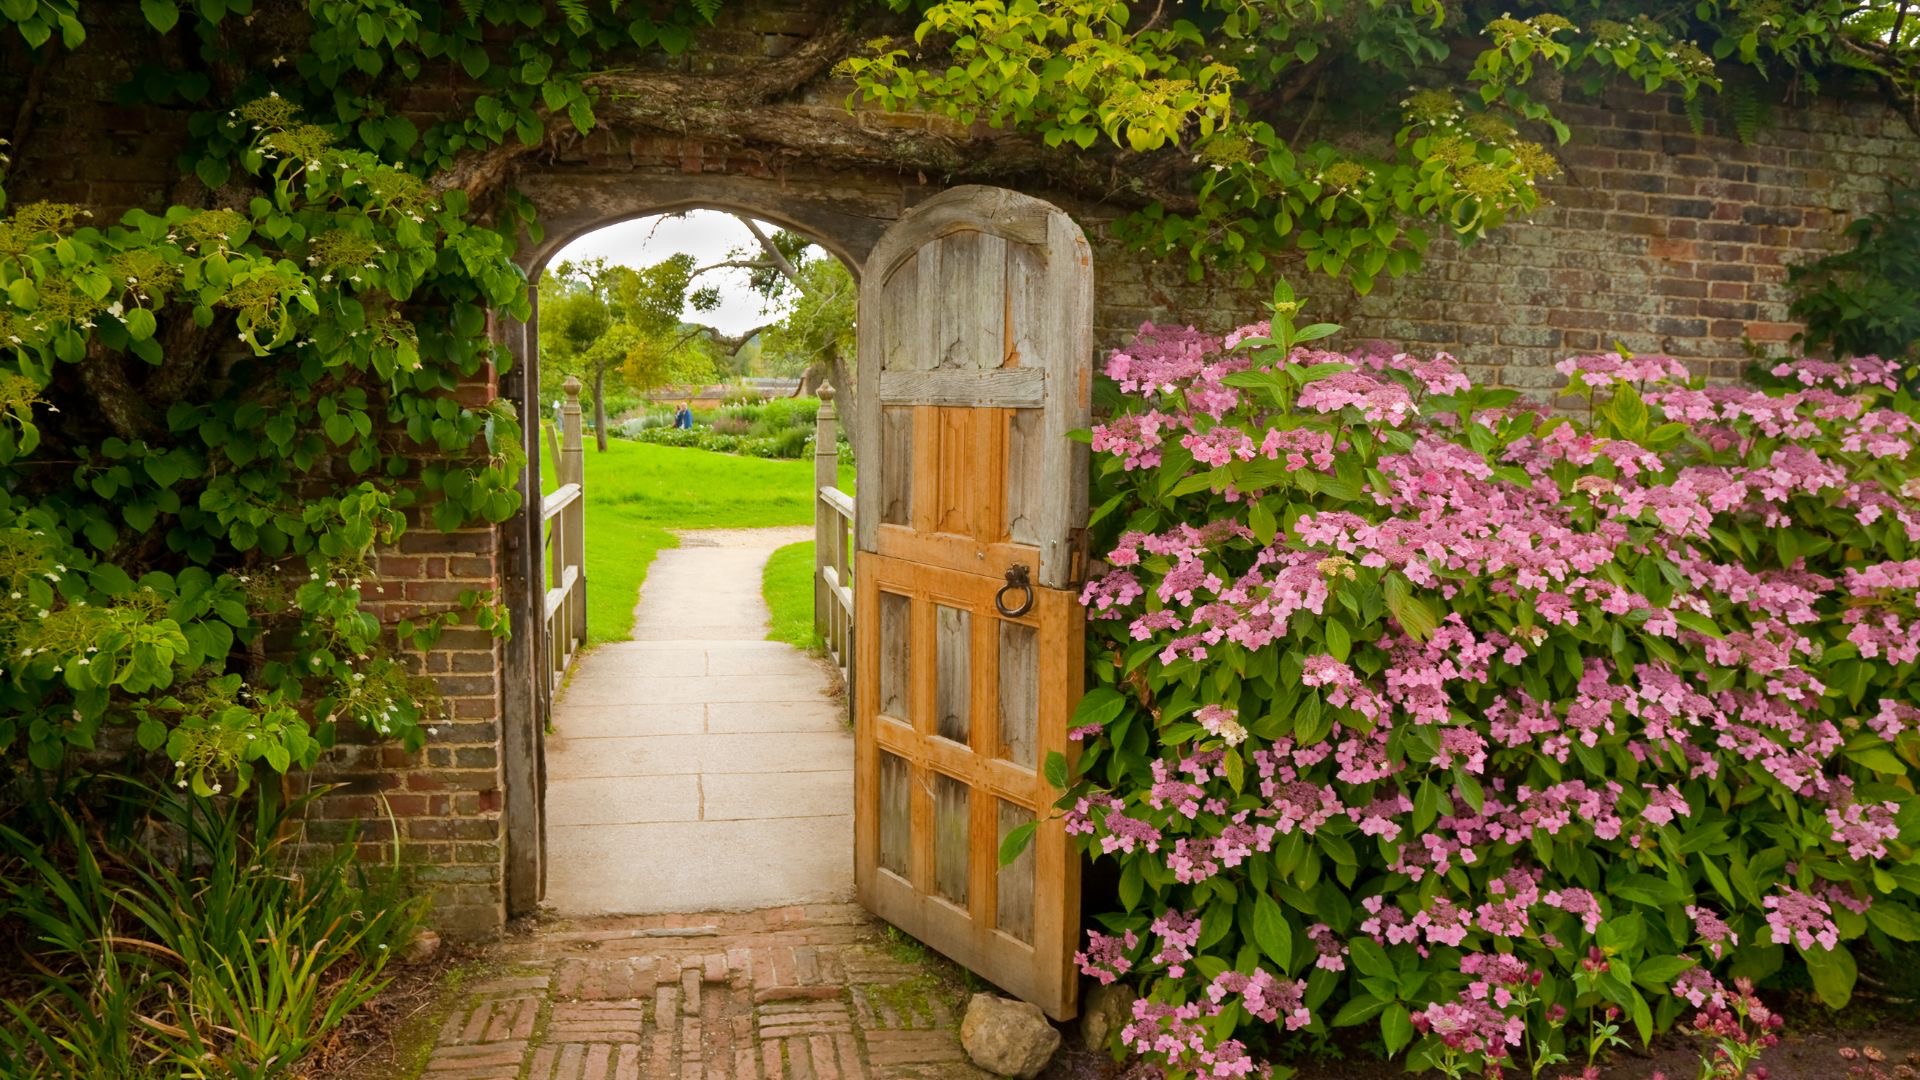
(708, 235)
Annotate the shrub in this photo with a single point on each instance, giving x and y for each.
(789, 443)
(171, 936)
(1420, 707)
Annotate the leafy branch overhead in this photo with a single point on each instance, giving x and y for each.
(1348, 130)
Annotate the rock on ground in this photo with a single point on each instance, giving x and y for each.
(1010, 1038)
(1103, 1012)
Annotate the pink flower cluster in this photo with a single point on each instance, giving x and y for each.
(1452, 638)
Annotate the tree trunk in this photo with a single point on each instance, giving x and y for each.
(600, 409)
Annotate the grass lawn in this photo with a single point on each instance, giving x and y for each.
(788, 587)
(636, 492)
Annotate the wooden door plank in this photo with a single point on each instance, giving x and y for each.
(926, 508)
(920, 790)
(971, 315)
(1007, 388)
(1064, 463)
(986, 817)
(866, 746)
(898, 451)
(925, 329)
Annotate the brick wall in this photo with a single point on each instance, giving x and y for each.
(1656, 237)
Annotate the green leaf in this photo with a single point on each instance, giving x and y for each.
(1016, 841)
(1358, 1010)
(1097, 708)
(1628, 411)
(1272, 932)
(1660, 970)
(1408, 610)
(213, 172)
(1260, 520)
(1647, 889)
(1339, 639)
(140, 323)
(1055, 770)
(1896, 920)
(1369, 958)
(1642, 1018)
(1833, 973)
(1396, 1027)
(1880, 760)
(162, 15)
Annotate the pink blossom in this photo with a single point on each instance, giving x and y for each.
(1801, 919)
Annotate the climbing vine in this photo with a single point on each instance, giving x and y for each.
(212, 416)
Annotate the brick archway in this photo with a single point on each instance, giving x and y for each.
(844, 213)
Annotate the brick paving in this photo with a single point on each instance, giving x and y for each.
(794, 993)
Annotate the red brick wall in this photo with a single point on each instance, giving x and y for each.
(1656, 237)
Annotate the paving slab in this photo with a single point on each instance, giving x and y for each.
(700, 865)
(614, 720)
(770, 753)
(700, 767)
(776, 716)
(737, 796)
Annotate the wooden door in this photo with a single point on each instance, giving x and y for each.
(975, 361)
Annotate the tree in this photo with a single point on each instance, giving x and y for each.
(814, 338)
(610, 318)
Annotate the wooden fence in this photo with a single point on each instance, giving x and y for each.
(832, 543)
(564, 525)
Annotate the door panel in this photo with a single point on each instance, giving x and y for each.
(975, 361)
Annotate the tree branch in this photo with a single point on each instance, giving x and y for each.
(733, 264)
(774, 254)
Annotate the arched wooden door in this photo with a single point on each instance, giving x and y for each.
(975, 361)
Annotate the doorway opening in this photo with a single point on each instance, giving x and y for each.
(697, 757)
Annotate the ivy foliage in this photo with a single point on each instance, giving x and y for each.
(212, 416)
(1445, 112)
(1865, 301)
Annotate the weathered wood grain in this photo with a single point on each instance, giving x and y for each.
(1005, 388)
(975, 339)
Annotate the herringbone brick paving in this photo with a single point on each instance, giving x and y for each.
(795, 993)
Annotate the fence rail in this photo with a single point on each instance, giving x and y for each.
(563, 517)
(832, 543)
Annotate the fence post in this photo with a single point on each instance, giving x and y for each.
(826, 521)
(572, 469)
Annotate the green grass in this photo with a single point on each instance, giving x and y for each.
(637, 493)
(788, 587)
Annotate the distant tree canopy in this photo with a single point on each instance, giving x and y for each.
(612, 319)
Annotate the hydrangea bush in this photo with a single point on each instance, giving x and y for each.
(1509, 732)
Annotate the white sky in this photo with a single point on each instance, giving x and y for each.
(708, 235)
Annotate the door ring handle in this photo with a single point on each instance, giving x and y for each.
(1016, 579)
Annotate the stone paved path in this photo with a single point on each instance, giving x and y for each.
(700, 767)
(796, 993)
